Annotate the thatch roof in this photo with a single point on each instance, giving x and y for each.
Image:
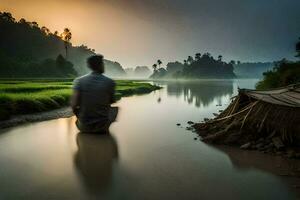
(259, 114)
(287, 96)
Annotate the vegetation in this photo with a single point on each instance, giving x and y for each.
(284, 73)
(23, 97)
(114, 69)
(66, 37)
(142, 71)
(46, 68)
(28, 50)
(138, 72)
(298, 48)
(202, 66)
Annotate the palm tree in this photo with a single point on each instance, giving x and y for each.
(154, 66)
(198, 56)
(190, 59)
(34, 24)
(66, 37)
(45, 30)
(159, 62)
(220, 58)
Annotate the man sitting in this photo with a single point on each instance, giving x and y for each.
(92, 96)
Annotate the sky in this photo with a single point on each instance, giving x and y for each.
(138, 32)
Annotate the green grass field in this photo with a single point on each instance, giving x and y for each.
(30, 96)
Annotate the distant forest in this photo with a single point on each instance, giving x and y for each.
(28, 50)
(138, 72)
(201, 66)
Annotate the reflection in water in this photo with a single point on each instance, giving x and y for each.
(94, 160)
(245, 160)
(201, 92)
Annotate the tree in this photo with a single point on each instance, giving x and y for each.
(159, 62)
(190, 59)
(154, 66)
(65, 67)
(197, 56)
(34, 25)
(66, 36)
(298, 48)
(22, 21)
(220, 58)
(7, 16)
(45, 30)
(207, 54)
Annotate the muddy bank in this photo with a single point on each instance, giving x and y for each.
(232, 135)
(37, 117)
(267, 121)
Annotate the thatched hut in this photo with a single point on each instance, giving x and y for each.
(255, 114)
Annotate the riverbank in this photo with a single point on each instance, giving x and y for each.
(36, 117)
(23, 100)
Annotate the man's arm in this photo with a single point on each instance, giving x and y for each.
(75, 98)
(112, 93)
(75, 102)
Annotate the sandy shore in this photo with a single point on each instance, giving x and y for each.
(36, 117)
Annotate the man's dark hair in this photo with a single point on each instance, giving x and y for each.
(95, 63)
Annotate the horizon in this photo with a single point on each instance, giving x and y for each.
(157, 29)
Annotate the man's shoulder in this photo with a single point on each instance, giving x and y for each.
(86, 76)
(77, 83)
(107, 79)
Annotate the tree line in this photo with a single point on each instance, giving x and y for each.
(29, 50)
(199, 66)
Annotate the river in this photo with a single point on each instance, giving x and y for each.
(147, 156)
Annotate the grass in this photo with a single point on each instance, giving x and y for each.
(31, 96)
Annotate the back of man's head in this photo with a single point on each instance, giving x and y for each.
(95, 63)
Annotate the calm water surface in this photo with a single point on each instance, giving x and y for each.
(146, 157)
